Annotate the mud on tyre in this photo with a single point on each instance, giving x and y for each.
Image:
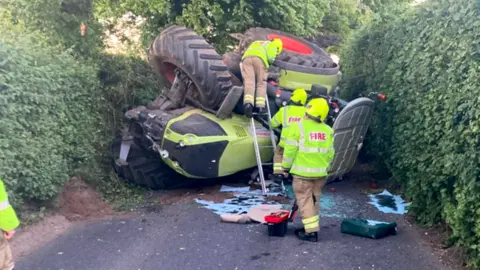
(180, 47)
(145, 168)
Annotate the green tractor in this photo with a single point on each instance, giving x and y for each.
(196, 129)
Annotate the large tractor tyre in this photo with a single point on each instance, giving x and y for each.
(180, 47)
(232, 61)
(146, 168)
(298, 54)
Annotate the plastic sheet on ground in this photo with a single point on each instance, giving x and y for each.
(332, 205)
(388, 203)
(234, 189)
(242, 202)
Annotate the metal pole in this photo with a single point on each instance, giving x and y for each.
(272, 138)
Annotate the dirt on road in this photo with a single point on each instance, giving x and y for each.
(78, 201)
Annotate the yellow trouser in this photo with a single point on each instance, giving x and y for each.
(6, 260)
(277, 160)
(255, 77)
(305, 189)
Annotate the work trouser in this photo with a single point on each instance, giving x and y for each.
(305, 189)
(255, 77)
(6, 259)
(277, 160)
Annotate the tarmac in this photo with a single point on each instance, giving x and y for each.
(187, 236)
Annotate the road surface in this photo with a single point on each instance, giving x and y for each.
(188, 237)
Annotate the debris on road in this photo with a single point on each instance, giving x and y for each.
(368, 228)
(258, 212)
(388, 203)
(225, 188)
(333, 205)
(233, 218)
(241, 203)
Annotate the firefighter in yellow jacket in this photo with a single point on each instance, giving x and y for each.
(254, 67)
(307, 156)
(8, 223)
(285, 117)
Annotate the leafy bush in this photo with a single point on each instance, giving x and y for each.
(344, 16)
(216, 19)
(47, 114)
(427, 61)
(58, 114)
(59, 21)
(127, 81)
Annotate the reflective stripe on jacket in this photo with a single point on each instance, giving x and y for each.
(262, 49)
(313, 151)
(8, 217)
(285, 117)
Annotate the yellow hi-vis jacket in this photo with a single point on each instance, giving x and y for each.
(264, 50)
(312, 152)
(285, 117)
(8, 218)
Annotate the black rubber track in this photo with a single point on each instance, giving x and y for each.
(189, 51)
(319, 62)
(146, 168)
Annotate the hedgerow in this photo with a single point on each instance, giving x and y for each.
(428, 133)
(60, 107)
(215, 20)
(47, 115)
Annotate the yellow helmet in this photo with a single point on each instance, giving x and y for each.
(279, 44)
(318, 109)
(299, 96)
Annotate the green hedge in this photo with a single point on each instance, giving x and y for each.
(47, 115)
(428, 133)
(216, 19)
(59, 113)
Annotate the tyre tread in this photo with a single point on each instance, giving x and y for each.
(198, 59)
(145, 169)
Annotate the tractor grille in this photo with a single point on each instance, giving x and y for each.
(240, 131)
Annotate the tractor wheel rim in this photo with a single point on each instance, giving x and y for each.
(293, 45)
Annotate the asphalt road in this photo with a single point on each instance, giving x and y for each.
(187, 237)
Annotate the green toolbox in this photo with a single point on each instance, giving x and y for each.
(368, 228)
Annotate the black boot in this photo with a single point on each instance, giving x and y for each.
(302, 235)
(278, 178)
(248, 110)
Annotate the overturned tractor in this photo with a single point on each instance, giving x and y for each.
(196, 129)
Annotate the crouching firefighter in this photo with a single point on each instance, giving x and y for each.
(254, 67)
(292, 113)
(307, 156)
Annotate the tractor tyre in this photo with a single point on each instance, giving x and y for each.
(180, 47)
(298, 54)
(145, 168)
(232, 61)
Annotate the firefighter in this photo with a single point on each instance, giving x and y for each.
(8, 223)
(307, 156)
(254, 67)
(286, 116)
